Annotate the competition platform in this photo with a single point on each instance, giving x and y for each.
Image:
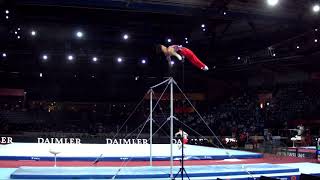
(130, 161)
(116, 152)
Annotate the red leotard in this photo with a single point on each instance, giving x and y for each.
(192, 58)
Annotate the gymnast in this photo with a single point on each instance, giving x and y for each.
(183, 135)
(180, 53)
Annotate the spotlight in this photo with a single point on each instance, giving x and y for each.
(224, 13)
(70, 57)
(7, 17)
(119, 59)
(169, 40)
(239, 58)
(298, 47)
(186, 38)
(15, 32)
(44, 57)
(272, 2)
(18, 37)
(7, 11)
(274, 54)
(125, 36)
(4, 55)
(203, 25)
(19, 29)
(316, 40)
(315, 29)
(40, 74)
(94, 59)
(79, 34)
(33, 33)
(187, 42)
(143, 61)
(316, 8)
(172, 62)
(204, 29)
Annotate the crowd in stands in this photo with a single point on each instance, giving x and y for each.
(237, 116)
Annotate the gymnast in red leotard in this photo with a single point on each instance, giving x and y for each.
(181, 52)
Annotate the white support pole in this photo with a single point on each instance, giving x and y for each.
(150, 119)
(171, 126)
(55, 160)
(168, 80)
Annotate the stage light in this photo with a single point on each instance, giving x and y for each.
(125, 36)
(316, 8)
(7, 11)
(186, 38)
(298, 47)
(274, 54)
(169, 40)
(18, 37)
(272, 2)
(316, 40)
(79, 34)
(19, 29)
(40, 74)
(203, 25)
(15, 32)
(44, 57)
(4, 55)
(7, 17)
(94, 59)
(33, 33)
(224, 13)
(143, 61)
(70, 57)
(315, 29)
(172, 62)
(119, 59)
(187, 42)
(268, 103)
(136, 78)
(239, 58)
(204, 29)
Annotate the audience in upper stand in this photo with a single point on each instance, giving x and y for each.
(237, 116)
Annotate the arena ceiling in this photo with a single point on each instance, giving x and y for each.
(233, 28)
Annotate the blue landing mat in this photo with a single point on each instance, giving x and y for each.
(148, 172)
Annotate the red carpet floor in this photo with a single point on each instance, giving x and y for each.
(267, 159)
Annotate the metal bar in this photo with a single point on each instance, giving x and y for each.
(160, 84)
(150, 119)
(171, 126)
